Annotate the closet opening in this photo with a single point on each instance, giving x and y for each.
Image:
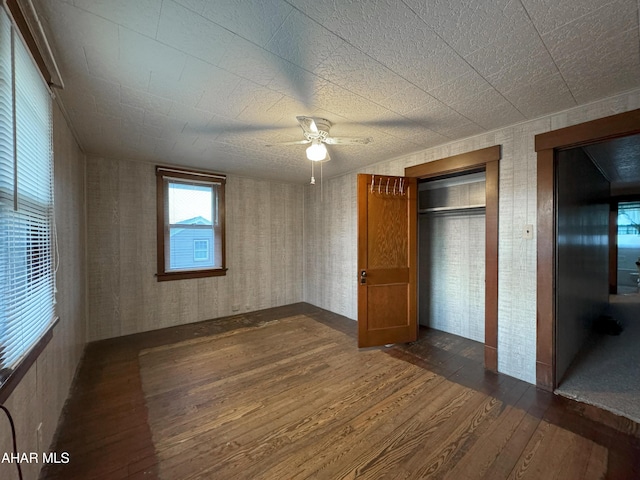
(451, 255)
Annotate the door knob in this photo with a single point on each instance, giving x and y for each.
(363, 277)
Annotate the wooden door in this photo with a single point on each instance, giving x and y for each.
(387, 218)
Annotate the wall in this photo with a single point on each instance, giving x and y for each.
(40, 396)
(263, 247)
(331, 234)
(582, 282)
(330, 255)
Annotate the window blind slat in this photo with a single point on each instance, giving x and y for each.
(26, 200)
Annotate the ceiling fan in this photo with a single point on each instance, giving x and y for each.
(316, 132)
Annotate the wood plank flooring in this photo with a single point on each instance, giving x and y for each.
(285, 394)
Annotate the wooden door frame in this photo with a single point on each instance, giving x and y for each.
(487, 160)
(546, 145)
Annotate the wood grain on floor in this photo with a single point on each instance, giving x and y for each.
(286, 394)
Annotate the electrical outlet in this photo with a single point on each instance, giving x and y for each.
(527, 232)
(235, 308)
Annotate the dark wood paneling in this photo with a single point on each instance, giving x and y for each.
(582, 258)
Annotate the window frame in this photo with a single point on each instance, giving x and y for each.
(614, 204)
(196, 258)
(11, 374)
(163, 226)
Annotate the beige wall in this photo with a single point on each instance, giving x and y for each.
(331, 234)
(40, 396)
(263, 243)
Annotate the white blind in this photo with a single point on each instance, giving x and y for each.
(26, 200)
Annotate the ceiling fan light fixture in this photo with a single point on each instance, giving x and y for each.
(317, 151)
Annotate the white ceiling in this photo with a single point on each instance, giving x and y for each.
(207, 83)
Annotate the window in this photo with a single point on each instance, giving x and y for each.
(628, 243)
(26, 202)
(190, 224)
(200, 250)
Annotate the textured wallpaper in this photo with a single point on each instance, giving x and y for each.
(263, 248)
(331, 234)
(452, 273)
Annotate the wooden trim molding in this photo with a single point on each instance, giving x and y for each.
(613, 247)
(492, 173)
(18, 373)
(35, 43)
(545, 265)
(546, 145)
(162, 221)
(487, 160)
(620, 125)
(462, 163)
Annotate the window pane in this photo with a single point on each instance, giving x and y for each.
(628, 247)
(26, 201)
(187, 248)
(190, 204)
(201, 250)
(191, 207)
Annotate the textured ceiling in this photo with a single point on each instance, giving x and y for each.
(209, 83)
(618, 160)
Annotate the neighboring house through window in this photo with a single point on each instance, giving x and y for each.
(190, 224)
(200, 250)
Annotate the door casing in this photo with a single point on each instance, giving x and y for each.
(546, 144)
(487, 160)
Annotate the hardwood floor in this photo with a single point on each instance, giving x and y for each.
(284, 393)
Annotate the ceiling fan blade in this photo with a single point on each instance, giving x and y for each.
(347, 140)
(308, 124)
(222, 128)
(297, 142)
